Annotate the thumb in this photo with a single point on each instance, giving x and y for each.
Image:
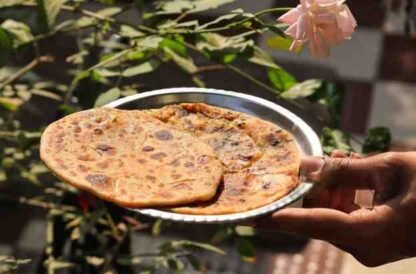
(361, 173)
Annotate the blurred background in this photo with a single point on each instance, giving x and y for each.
(376, 70)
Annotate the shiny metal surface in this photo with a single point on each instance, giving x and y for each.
(306, 138)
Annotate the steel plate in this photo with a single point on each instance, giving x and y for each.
(306, 138)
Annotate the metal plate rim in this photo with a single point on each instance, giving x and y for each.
(295, 195)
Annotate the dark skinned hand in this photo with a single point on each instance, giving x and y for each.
(374, 236)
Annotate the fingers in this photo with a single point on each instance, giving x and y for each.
(318, 223)
(338, 154)
(358, 172)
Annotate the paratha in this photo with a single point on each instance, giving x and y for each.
(130, 158)
(260, 160)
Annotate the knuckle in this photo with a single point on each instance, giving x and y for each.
(392, 158)
(341, 163)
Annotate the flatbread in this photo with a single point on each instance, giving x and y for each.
(130, 158)
(261, 161)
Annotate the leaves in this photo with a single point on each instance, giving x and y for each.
(332, 139)
(282, 43)
(10, 3)
(107, 97)
(281, 79)
(6, 45)
(10, 104)
(262, 58)
(189, 6)
(218, 20)
(47, 12)
(222, 234)
(246, 249)
(223, 49)
(20, 32)
(195, 263)
(157, 227)
(145, 67)
(108, 12)
(378, 140)
(186, 243)
(329, 96)
(174, 45)
(245, 231)
(128, 31)
(149, 42)
(10, 264)
(302, 90)
(184, 63)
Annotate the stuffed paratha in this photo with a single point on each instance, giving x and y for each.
(130, 158)
(261, 161)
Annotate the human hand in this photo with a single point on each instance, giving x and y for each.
(374, 236)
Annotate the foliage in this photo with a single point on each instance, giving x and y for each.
(111, 57)
(378, 140)
(9, 265)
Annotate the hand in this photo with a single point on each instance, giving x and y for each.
(382, 234)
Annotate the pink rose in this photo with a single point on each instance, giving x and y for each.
(321, 22)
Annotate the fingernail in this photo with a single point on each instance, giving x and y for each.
(311, 165)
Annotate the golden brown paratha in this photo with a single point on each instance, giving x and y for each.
(130, 158)
(261, 161)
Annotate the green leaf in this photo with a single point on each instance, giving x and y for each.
(222, 234)
(302, 90)
(149, 42)
(20, 31)
(10, 3)
(332, 139)
(6, 46)
(185, 243)
(135, 55)
(329, 96)
(48, 11)
(107, 97)
(177, 47)
(67, 109)
(378, 140)
(3, 175)
(218, 20)
(281, 79)
(157, 227)
(141, 69)
(195, 263)
(10, 104)
(282, 43)
(223, 49)
(190, 6)
(246, 249)
(46, 94)
(108, 12)
(262, 58)
(277, 29)
(106, 72)
(185, 63)
(128, 31)
(175, 264)
(245, 231)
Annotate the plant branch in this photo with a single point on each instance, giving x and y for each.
(25, 69)
(210, 68)
(252, 79)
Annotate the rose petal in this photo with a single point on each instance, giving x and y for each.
(318, 46)
(291, 16)
(346, 22)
